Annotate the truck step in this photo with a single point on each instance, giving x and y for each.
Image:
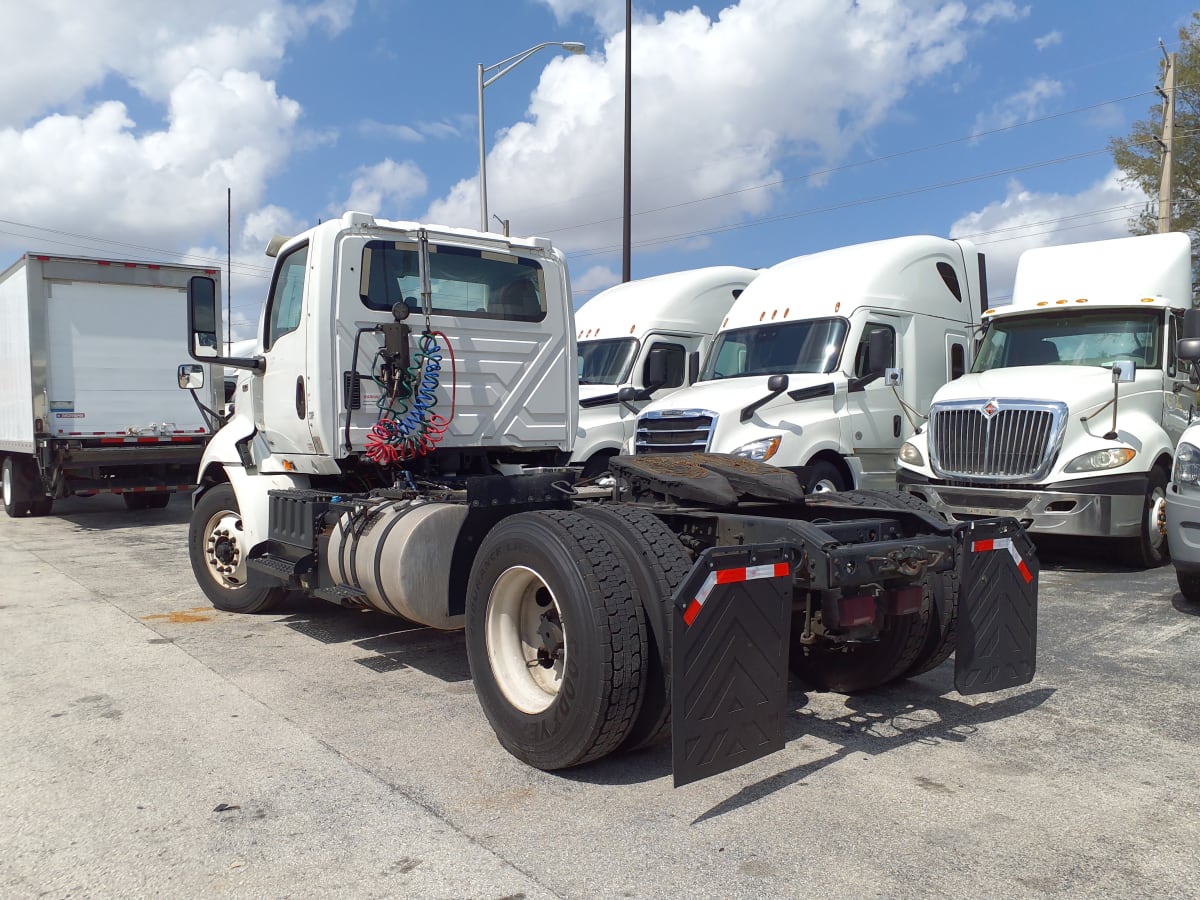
(273, 568)
(343, 595)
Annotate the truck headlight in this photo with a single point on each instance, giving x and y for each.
(1187, 465)
(911, 455)
(760, 450)
(1109, 458)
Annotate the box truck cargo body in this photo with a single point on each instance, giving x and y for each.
(89, 394)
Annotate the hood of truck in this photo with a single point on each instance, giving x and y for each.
(726, 398)
(596, 391)
(1082, 388)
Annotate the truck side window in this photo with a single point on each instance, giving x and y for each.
(958, 360)
(676, 362)
(287, 296)
(864, 343)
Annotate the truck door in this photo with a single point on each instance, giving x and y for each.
(1180, 394)
(281, 404)
(875, 418)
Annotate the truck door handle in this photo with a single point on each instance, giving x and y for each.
(896, 426)
(301, 406)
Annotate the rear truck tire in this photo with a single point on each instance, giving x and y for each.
(22, 488)
(218, 553)
(659, 564)
(556, 639)
(908, 645)
(1149, 549)
(824, 477)
(853, 667)
(1189, 585)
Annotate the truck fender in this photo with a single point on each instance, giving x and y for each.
(252, 492)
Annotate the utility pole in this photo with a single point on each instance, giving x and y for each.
(628, 211)
(1167, 141)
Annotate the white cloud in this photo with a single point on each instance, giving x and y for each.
(1026, 104)
(384, 188)
(739, 97)
(999, 11)
(405, 133)
(217, 122)
(591, 282)
(1025, 219)
(1052, 39)
(150, 44)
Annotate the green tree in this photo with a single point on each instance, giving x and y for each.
(1139, 155)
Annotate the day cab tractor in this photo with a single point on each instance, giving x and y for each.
(399, 442)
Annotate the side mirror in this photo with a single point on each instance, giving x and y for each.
(202, 318)
(893, 377)
(693, 364)
(654, 375)
(1123, 371)
(627, 394)
(191, 377)
(1191, 323)
(777, 384)
(879, 350)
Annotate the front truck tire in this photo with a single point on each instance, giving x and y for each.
(1149, 549)
(217, 547)
(22, 488)
(659, 564)
(555, 638)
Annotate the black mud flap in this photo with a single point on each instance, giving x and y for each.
(997, 607)
(729, 660)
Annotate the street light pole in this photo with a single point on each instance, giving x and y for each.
(505, 66)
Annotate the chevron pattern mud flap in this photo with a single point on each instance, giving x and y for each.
(997, 607)
(729, 660)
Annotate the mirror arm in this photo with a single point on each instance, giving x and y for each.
(212, 419)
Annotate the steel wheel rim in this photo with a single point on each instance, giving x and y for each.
(824, 486)
(223, 554)
(518, 604)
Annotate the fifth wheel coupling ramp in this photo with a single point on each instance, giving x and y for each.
(729, 660)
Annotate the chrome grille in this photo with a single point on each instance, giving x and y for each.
(995, 440)
(674, 431)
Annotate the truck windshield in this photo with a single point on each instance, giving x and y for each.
(606, 362)
(782, 348)
(1079, 337)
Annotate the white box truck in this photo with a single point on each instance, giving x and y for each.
(1076, 401)
(647, 336)
(89, 394)
(798, 373)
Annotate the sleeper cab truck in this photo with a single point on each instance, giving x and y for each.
(1070, 416)
(401, 444)
(824, 361)
(639, 341)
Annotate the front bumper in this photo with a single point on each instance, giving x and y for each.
(1183, 527)
(1110, 506)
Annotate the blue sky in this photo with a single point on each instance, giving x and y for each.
(763, 129)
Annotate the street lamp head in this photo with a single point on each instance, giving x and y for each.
(573, 46)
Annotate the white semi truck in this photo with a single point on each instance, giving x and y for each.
(646, 336)
(402, 445)
(88, 399)
(1070, 416)
(825, 360)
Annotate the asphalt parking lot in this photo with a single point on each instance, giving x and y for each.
(153, 746)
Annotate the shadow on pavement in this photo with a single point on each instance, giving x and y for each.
(391, 643)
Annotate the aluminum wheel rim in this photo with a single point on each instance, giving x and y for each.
(223, 549)
(8, 488)
(1156, 514)
(517, 605)
(824, 486)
